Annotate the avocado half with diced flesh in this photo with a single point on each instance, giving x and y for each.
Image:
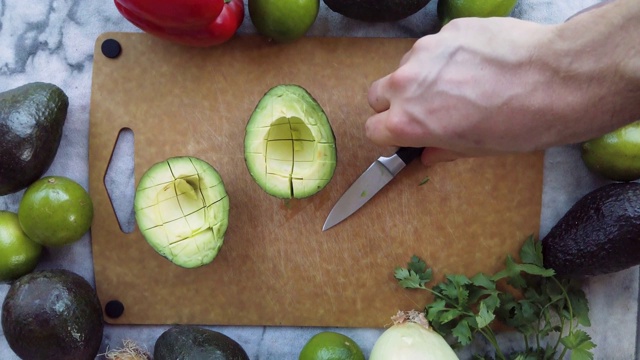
(289, 145)
(182, 209)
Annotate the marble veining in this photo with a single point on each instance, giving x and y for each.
(53, 41)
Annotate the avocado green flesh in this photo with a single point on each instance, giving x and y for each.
(181, 208)
(289, 144)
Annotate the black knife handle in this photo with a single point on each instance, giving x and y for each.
(408, 154)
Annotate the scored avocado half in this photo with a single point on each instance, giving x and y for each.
(290, 148)
(182, 209)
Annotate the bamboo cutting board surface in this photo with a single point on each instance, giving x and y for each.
(276, 266)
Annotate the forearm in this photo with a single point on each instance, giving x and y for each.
(598, 53)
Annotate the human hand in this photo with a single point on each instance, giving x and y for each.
(492, 86)
(466, 91)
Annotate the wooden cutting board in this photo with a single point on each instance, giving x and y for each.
(276, 266)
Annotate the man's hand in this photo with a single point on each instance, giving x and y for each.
(500, 85)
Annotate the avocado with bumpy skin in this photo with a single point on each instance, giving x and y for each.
(599, 234)
(52, 314)
(187, 342)
(289, 145)
(32, 117)
(182, 209)
(376, 10)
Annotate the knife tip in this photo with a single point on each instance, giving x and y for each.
(327, 226)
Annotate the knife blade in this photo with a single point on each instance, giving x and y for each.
(379, 174)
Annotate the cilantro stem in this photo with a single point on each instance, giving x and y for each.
(491, 337)
(562, 322)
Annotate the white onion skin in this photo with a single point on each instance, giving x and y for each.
(411, 341)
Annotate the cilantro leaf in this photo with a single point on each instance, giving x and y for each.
(531, 252)
(580, 344)
(580, 306)
(415, 276)
(513, 272)
(485, 316)
(484, 281)
(409, 279)
(435, 309)
(418, 266)
(462, 333)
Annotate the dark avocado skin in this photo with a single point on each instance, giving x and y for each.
(52, 314)
(31, 120)
(186, 342)
(599, 234)
(376, 10)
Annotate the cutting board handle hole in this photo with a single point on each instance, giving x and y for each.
(119, 180)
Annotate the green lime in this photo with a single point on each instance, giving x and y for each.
(55, 211)
(19, 255)
(283, 20)
(329, 345)
(616, 155)
(453, 9)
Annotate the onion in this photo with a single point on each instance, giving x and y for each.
(411, 338)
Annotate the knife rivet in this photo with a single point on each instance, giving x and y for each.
(114, 309)
(111, 48)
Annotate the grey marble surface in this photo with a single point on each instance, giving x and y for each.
(53, 41)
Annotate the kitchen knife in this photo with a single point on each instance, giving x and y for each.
(369, 183)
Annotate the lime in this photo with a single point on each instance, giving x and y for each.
(55, 211)
(283, 20)
(329, 345)
(616, 155)
(19, 255)
(453, 9)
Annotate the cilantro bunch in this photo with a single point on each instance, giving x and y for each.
(524, 296)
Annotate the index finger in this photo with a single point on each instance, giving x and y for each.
(378, 100)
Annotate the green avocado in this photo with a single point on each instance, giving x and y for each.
(52, 314)
(31, 120)
(599, 234)
(182, 209)
(289, 145)
(376, 10)
(183, 342)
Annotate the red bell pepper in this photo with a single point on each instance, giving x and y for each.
(199, 23)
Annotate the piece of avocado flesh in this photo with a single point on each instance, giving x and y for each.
(182, 210)
(290, 147)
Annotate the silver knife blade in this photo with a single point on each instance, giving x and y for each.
(379, 174)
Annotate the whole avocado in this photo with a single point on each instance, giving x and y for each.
(376, 10)
(31, 120)
(185, 342)
(599, 234)
(52, 314)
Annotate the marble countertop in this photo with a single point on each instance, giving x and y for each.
(53, 41)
